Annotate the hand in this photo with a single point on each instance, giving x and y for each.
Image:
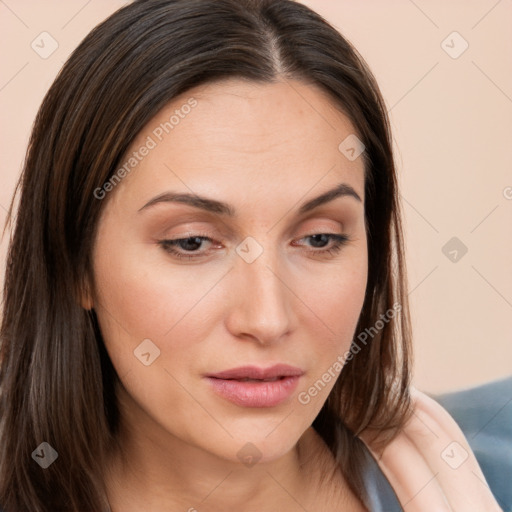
(430, 464)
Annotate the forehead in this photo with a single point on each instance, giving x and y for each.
(248, 134)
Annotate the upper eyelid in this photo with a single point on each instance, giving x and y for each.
(232, 233)
(213, 237)
(231, 229)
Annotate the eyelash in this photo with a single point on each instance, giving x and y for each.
(339, 240)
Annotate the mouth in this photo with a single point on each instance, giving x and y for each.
(251, 386)
(258, 374)
(274, 379)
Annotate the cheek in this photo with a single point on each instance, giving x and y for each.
(338, 303)
(139, 295)
(333, 317)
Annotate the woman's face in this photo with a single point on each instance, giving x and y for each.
(278, 279)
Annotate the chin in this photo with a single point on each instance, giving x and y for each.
(263, 441)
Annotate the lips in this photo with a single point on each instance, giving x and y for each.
(255, 373)
(251, 386)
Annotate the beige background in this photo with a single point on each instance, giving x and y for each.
(452, 123)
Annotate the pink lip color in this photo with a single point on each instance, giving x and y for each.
(230, 385)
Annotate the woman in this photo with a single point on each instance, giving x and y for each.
(205, 298)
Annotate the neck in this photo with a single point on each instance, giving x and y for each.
(157, 471)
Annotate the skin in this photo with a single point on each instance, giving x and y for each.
(264, 149)
(430, 464)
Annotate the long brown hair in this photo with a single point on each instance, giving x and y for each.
(57, 382)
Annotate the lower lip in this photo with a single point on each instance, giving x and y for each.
(255, 394)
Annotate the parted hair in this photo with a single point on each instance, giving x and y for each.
(57, 383)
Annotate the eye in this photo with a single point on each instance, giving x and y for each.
(189, 247)
(336, 240)
(188, 244)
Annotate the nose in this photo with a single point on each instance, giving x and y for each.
(260, 305)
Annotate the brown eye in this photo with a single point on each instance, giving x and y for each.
(323, 239)
(179, 247)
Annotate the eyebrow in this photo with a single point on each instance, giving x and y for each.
(214, 206)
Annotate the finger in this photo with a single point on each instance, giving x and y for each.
(448, 454)
(442, 419)
(411, 478)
